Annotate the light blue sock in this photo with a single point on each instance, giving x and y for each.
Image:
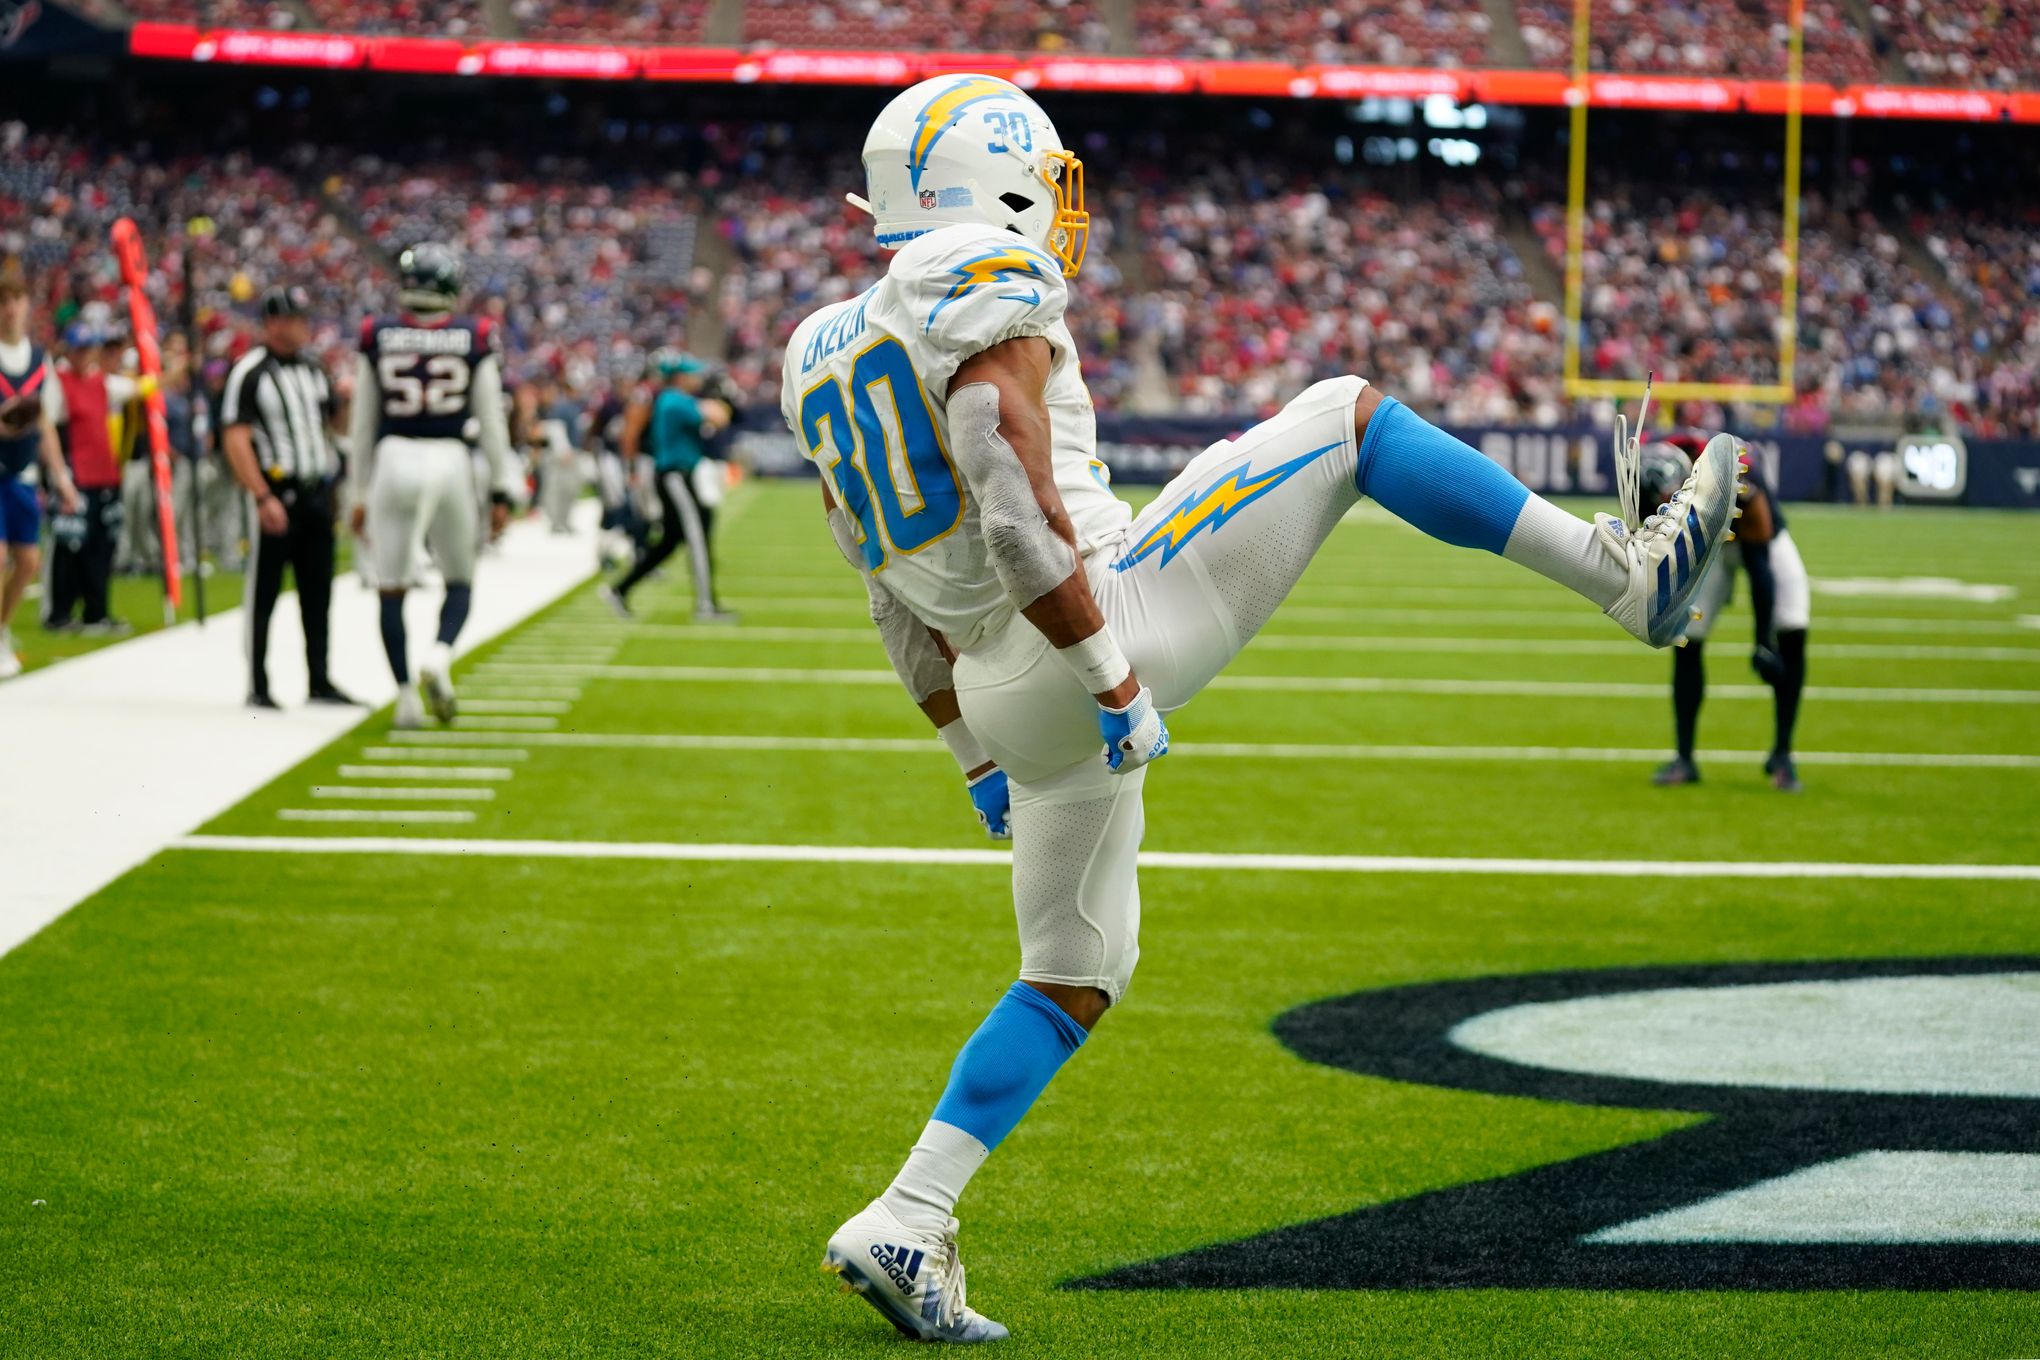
(1447, 488)
(1007, 1064)
(998, 1075)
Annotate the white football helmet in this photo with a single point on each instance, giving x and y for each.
(973, 149)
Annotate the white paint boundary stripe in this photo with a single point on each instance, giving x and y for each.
(1156, 859)
(422, 743)
(472, 705)
(1354, 684)
(403, 795)
(429, 752)
(1400, 642)
(489, 724)
(434, 815)
(496, 772)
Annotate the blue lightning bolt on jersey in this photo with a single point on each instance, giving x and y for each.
(866, 392)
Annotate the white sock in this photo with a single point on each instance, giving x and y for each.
(925, 1192)
(1568, 550)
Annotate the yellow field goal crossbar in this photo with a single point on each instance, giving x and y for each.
(1624, 389)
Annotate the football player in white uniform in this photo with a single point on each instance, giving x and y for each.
(1035, 619)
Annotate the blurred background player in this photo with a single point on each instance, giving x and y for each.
(1780, 600)
(28, 434)
(275, 416)
(84, 403)
(422, 375)
(684, 419)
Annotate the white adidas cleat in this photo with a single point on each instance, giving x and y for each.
(1669, 554)
(914, 1280)
(410, 714)
(435, 677)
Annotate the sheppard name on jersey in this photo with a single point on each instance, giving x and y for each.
(836, 334)
(415, 340)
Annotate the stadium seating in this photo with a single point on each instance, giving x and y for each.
(247, 226)
(1395, 32)
(1988, 43)
(647, 21)
(965, 26)
(1699, 38)
(206, 13)
(585, 273)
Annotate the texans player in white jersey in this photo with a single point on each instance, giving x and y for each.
(1036, 620)
(423, 375)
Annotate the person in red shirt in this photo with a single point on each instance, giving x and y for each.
(81, 563)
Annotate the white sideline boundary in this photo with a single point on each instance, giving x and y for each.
(162, 715)
(462, 847)
(424, 744)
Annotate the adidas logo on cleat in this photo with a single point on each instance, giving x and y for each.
(900, 1264)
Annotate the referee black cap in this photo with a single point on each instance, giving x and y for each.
(289, 301)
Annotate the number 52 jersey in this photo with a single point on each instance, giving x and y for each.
(425, 372)
(865, 392)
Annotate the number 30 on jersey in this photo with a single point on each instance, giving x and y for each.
(883, 455)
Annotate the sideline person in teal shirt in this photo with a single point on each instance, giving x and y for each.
(682, 422)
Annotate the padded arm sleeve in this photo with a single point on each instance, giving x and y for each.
(494, 423)
(1030, 559)
(362, 423)
(915, 658)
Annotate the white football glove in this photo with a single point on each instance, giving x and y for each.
(1134, 735)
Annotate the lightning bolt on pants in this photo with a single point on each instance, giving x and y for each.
(1196, 576)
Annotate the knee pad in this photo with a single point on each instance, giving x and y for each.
(1075, 890)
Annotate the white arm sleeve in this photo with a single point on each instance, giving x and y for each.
(915, 658)
(1030, 559)
(493, 419)
(362, 422)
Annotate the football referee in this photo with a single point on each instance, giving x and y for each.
(275, 416)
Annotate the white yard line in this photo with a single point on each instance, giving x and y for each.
(553, 706)
(495, 724)
(449, 752)
(373, 815)
(1158, 859)
(1306, 642)
(1234, 750)
(1357, 684)
(493, 772)
(403, 795)
(478, 689)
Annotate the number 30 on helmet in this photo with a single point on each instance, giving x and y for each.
(973, 149)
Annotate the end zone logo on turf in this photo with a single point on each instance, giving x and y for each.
(1874, 1125)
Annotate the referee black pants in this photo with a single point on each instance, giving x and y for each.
(306, 547)
(683, 519)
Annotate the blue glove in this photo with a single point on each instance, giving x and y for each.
(1134, 735)
(994, 803)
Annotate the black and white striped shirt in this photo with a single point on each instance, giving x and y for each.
(285, 403)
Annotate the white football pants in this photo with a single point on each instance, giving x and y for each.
(1196, 576)
(423, 495)
(1792, 606)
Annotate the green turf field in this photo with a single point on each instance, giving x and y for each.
(379, 1104)
(136, 599)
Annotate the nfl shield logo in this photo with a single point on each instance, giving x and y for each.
(927, 198)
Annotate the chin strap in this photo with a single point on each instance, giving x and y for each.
(861, 203)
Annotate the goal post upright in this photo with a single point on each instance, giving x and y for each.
(1579, 97)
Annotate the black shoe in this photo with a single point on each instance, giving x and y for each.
(329, 693)
(1784, 777)
(1677, 771)
(259, 700)
(107, 627)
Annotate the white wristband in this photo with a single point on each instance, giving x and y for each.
(1097, 662)
(969, 755)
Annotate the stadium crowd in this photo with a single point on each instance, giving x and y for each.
(1219, 292)
(1389, 32)
(1736, 38)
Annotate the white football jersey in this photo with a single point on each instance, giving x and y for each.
(865, 392)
